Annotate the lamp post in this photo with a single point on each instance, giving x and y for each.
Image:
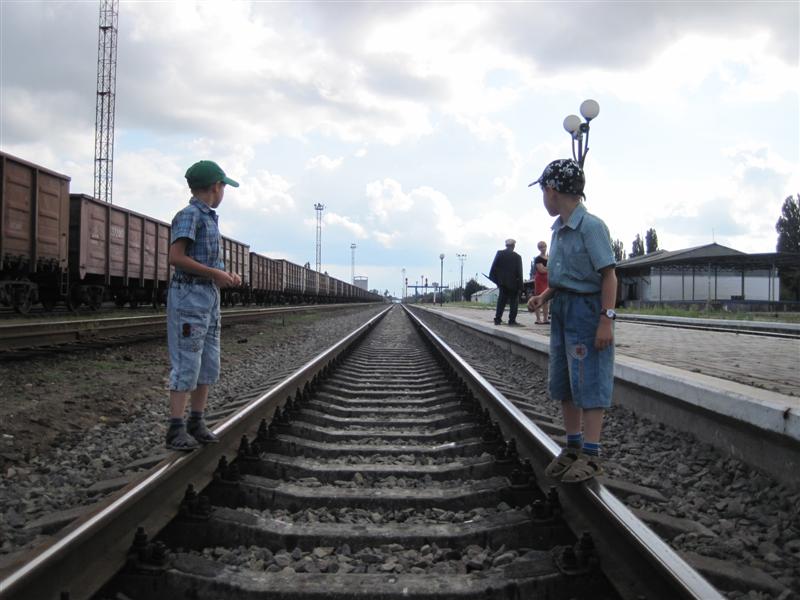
(462, 258)
(580, 130)
(441, 279)
(353, 264)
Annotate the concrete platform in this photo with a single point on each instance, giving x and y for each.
(724, 373)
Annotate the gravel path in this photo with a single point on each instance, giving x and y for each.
(71, 419)
(750, 517)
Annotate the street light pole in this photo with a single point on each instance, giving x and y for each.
(441, 279)
(353, 264)
(578, 129)
(462, 258)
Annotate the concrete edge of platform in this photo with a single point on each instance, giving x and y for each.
(769, 411)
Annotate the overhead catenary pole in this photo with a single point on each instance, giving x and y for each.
(105, 103)
(462, 258)
(353, 264)
(319, 208)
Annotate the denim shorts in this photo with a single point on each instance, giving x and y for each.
(578, 372)
(193, 328)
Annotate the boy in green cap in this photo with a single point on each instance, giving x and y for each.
(193, 317)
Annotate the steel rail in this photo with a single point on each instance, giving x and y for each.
(30, 335)
(761, 328)
(105, 535)
(637, 561)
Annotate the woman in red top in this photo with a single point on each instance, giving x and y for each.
(540, 283)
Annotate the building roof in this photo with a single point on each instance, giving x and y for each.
(711, 254)
(484, 292)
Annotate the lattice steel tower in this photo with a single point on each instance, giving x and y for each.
(106, 93)
(319, 208)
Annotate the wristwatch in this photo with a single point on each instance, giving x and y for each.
(609, 312)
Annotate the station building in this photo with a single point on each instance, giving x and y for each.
(707, 274)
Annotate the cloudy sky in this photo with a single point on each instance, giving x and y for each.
(419, 125)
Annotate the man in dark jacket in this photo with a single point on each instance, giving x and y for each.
(506, 274)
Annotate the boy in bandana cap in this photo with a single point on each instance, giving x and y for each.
(583, 287)
(193, 318)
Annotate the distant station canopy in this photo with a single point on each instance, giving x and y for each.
(705, 273)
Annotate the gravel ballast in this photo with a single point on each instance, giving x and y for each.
(72, 419)
(751, 518)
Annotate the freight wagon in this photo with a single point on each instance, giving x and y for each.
(60, 246)
(266, 279)
(34, 229)
(237, 260)
(116, 254)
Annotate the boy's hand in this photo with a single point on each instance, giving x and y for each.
(535, 302)
(222, 279)
(605, 334)
(237, 281)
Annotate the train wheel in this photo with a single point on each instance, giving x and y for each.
(23, 300)
(48, 302)
(73, 299)
(134, 302)
(95, 299)
(119, 300)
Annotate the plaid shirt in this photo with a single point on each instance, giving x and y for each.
(198, 223)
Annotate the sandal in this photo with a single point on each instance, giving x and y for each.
(198, 430)
(584, 468)
(179, 439)
(561, 463)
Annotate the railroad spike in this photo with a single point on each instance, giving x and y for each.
(244, 447)
(261, 433)
(222, 468)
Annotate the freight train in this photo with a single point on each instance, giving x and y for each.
(61, 247)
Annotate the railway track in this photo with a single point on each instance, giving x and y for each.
(389, 469)
(25, 336)
(761, 328)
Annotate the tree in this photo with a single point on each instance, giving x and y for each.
(788, 226)
(651, 240)
(619, 250)
(471, 287)
(638, 247)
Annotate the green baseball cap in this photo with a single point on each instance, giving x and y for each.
(205, 173)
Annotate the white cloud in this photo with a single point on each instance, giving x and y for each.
(334, 220)
(324, 162)
(386, 197)
(268, 192)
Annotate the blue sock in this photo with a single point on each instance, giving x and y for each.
(195, 415)
(591, 448)
(175, 422)
(574, 440)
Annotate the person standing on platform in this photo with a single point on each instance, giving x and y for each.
(193, 317)
(582, 285)
(506, 274)
(540, 283)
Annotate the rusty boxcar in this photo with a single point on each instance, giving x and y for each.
(266, 279)
(34, 229)
(116, 253)
(237, 260)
